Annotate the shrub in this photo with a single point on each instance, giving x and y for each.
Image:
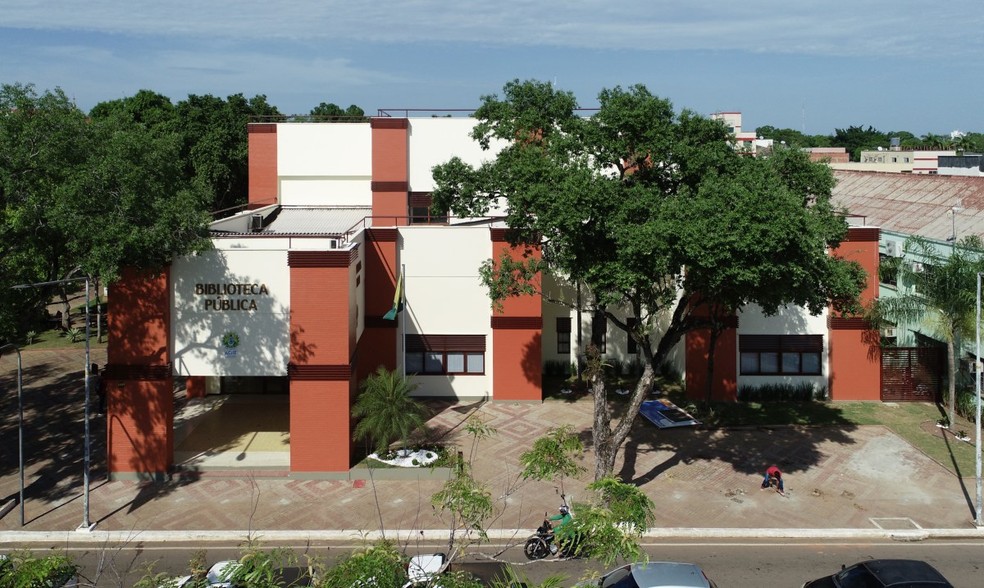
(614, 367)
(966, 403)
(785, 392)
(75, 334)
(30, 337)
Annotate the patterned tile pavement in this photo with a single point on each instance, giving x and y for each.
(837, 478)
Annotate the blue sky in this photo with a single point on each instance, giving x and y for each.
(808, 65)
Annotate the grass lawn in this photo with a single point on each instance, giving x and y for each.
(55, 339)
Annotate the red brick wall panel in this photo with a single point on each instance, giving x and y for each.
(320, 316)
(517, 363)
(262, 165)
(855, 358)
(140, 426)
(390, 169)
(139, 319)
(320, 426)
(725, 369)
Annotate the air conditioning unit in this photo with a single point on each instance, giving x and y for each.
(888, 332)
(917, 267)
(256, 223)
(892, 249)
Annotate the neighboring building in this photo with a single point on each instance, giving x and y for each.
(291, 302)
(746, 141)
(961, 165)
(939, 208)
(828, 154)
(895, 161)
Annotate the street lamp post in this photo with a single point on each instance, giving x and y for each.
(20, 425)
(86, 525)
(977, 388)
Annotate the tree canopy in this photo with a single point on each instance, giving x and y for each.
(85, 196)
(649, 210)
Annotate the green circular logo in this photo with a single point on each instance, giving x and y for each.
(230, 340)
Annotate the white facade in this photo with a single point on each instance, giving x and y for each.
(324, 165)
(789, 319)
(231, 311)
(445, 295)
(435, 140)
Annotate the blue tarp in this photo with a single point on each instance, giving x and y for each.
(664, 414)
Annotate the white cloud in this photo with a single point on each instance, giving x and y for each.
(835, 27)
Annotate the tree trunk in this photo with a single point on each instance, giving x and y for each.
(66, 317)
(607, 442)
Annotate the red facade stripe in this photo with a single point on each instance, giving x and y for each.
(261, 128)
(320, 258)
(119, 371)
(320, 372)
(518, 322)
(383, 235)
(849, 324)
(866, 234)
(389, 123)
(394, 186)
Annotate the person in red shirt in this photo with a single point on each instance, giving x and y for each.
(773, 476)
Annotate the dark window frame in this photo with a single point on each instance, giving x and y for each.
(439, 347)
(780, 352)
(599, 331)
(563, 335)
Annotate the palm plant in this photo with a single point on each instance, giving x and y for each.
(943, 297)
(385, 410)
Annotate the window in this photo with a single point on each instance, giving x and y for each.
(563, 334)
(420, 210)
(445, 354)
(599, 331)
(632, 348)
(781, 354)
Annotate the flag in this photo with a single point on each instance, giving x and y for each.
(397, 300)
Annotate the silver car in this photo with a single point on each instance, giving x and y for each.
(656, 574)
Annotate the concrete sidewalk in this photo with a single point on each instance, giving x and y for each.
(840, 482)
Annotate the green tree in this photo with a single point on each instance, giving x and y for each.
(857, 139)
(385, 410)
(942, 295)
(85, 197)
(554, 455)
(216, 144)
(331, 112)
(611, 201)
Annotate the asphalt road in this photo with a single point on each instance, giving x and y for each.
(729, 564)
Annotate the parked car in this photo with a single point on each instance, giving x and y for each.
(656, 574)
(878, 573)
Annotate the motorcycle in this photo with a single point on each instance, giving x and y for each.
(543, 543)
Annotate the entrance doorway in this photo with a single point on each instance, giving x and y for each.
(245, 427)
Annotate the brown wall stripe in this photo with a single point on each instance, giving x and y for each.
(848, 324)
(498, 235)
(339, 258)
(380, 186)
(383, 235)
(445, 342)
(119, 371)
(859, 234)
(385, 122)
(517, 322)
(320, 372)
(261, 128)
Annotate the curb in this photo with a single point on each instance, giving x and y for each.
(84, 537)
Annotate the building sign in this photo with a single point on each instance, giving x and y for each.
(230, 296)
(230, 341)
